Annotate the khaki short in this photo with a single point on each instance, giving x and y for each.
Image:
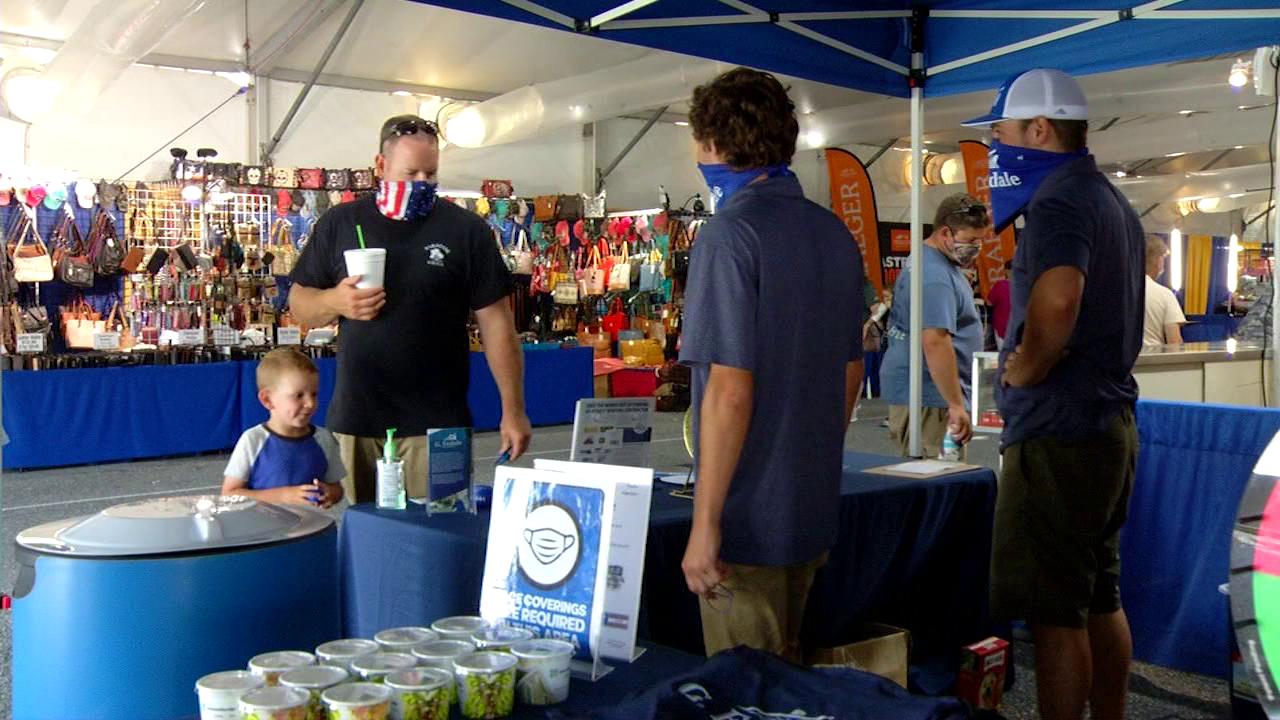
(762, 609)
(360, 456)
(933, 427)
(1059, 509)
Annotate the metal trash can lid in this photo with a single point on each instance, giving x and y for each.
(185, 523)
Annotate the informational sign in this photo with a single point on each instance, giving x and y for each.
(631, 501)
(226, 336)
(996, 250)
(191, 336)
(106, 341)
(853, 199)
(546, 567)
(288, 336)
(449, 470)
(617, 431)
(30, 342)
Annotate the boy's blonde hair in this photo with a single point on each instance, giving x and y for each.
(280, 361)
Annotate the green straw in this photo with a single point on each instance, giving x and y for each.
(360, 236)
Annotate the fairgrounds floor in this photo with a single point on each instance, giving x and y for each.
(34, 497)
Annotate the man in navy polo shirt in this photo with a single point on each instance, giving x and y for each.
(773, 321)
(1067, 394)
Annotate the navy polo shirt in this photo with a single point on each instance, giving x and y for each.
(775, 287)
(1077, 219)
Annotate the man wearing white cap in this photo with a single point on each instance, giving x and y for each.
(1066, 394)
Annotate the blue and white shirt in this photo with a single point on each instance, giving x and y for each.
(266, 460)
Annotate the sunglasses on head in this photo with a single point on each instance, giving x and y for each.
(413, 127)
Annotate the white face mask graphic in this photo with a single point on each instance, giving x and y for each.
(548, 544)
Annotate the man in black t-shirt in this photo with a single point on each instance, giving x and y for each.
(403, 360)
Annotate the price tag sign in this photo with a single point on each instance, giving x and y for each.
(192, 336)
(288, 336)
(30, 342)
(226, 336)
(106, 341)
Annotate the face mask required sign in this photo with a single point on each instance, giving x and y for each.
(546, 564)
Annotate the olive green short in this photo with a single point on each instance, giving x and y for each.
(1060, 506)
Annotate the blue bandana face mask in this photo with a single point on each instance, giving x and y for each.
(724, 181)
(1016, 173)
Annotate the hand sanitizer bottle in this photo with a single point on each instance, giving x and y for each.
(390, 476)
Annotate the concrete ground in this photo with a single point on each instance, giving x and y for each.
(35, 497)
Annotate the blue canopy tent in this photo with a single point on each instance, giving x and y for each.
(914, 49)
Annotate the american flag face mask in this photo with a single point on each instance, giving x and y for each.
(406, 199)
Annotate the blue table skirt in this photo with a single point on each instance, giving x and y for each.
(912, 553)
(1209, 328)
(75, 417)
(1193, 466)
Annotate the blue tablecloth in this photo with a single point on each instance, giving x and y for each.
(914, 553)
(74, 417)
(1194, 463)
(1209, 328)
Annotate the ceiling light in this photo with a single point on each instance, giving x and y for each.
(467, 128)
(1233, 196)
(1174, 155)
(1121, 173)
(23, 94)
(682, 123)
(1239, 147)
(1239, 75)
(402, 93)
(1185, 112)
(1208, 204)
(815, 138)
(1242, 107)
(240, 79)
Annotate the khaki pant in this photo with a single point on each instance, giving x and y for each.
(762, 608)
(933, 427)
(360, 456)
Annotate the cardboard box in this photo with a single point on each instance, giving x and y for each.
(982, 669)
(880, 649)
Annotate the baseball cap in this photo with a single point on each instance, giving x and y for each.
(86, 193)
(1034, 93)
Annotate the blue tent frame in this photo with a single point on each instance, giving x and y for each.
(905, 49)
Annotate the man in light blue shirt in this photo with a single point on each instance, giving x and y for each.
(952, 331)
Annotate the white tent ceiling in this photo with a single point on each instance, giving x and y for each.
(398, 44)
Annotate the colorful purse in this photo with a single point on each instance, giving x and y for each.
(285, 255)
(496, 189)
(544, 207)
(286, 178)
(593, 277)
(311, 178)
(521, 254)
(620, 272)
(362, 179)
(337, 180)
(595, 206)
(569, 207)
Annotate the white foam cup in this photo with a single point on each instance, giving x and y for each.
(369, 263)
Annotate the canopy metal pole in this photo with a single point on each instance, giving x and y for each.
(916, 359)
(1275, 285)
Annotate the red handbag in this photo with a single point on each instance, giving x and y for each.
(616, 320)
(311, 178)
(496, 189)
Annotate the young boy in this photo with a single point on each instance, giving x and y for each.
(287, 459)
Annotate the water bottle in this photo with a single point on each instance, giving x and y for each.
(390, 476)
(950, 448)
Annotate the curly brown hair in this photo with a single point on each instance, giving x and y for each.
(747, 115)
